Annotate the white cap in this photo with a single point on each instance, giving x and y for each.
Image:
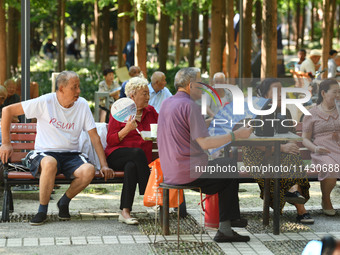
(315, 52)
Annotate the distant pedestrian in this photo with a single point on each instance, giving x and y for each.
(72, 49)
(49, 49)
(129, 53)
(134, 71)
(332, 72)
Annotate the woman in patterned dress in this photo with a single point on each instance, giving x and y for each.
(294, 186)
(321, 133)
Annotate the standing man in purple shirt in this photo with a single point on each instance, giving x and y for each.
(182, 139)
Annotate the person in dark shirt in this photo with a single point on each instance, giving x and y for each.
(134, 71)
(72, 50)
(129, 53)
(49, 49)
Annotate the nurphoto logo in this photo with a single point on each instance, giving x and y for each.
(238, 100)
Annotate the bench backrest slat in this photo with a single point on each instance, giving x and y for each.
(23, 138)
(23, 146)
(24, 127)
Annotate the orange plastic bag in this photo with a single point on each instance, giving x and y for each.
(155, 178)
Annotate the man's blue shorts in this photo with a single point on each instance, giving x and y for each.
(67, 162)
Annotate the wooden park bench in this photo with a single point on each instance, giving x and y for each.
(23, 138)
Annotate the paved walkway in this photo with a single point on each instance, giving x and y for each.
(95, 229)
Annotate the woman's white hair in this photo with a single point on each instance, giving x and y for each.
(135, 84)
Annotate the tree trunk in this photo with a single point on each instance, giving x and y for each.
(237, 5)
(230, 68)
(303, 23)
(123, 28)
(269, 40)
(19, 48)
(164, 24)
(247, 17)
(178, 35)
(338, 22)
(258, 18)
(78, 32)
(205, 41)
(87, 49)
(3, 51)
(289, 25)
(97, 28)
(54, 38)
(332, 18)
(217, 25)
(140, 43)
(298, 7)
(193, 34)
(325, 35)
(186, 26)
(105, 24)
(12, 39)
(61, 34)
(312, 19)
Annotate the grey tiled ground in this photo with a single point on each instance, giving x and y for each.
(94, 228)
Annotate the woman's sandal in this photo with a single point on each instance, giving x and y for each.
(129, 221)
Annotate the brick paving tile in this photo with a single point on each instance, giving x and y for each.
(295, 236)
(45, 241)
(78, 240)
(264, 237)
(188, 237)
(14, 242)
(126, 239)
(171, 238)
(2, 242)
(309, 236)
(279, 237)
(231, 252)
(321, 234)
(158, 238)
(62, 241)
(141, 239)
(110, 240)
(94, 240)
(30, 241)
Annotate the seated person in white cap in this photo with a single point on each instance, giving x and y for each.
(310, 65)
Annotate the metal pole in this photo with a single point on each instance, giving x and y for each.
(25, 50)
(241, 45)
(276, 222)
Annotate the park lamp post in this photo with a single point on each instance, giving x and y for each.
(25, 50)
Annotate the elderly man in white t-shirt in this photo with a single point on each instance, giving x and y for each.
(61, 117)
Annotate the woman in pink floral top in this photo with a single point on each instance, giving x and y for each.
(321, 135)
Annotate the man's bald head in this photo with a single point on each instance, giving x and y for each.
(219, 78)
(158, 81)
(134, 71)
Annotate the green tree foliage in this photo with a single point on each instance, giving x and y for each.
(79, 13)
(43, 17)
